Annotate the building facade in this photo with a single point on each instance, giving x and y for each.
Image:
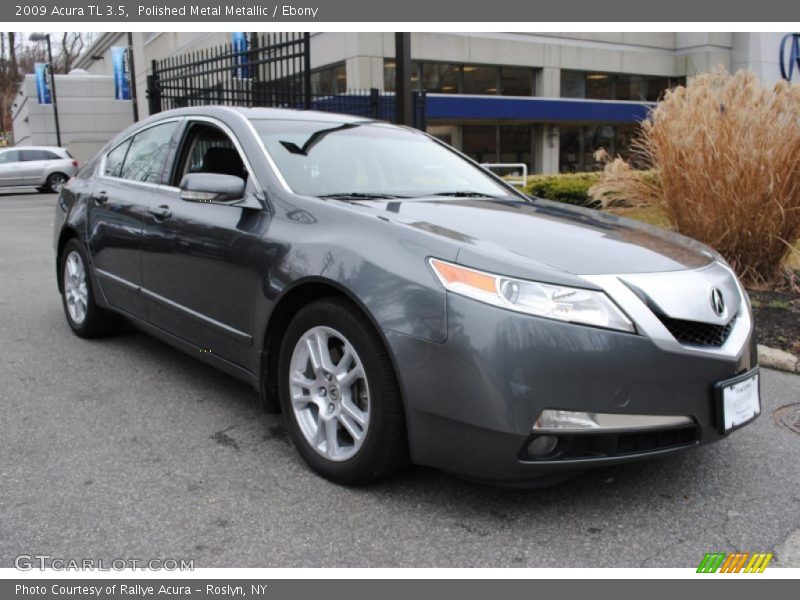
(548, 100)
(88, 114)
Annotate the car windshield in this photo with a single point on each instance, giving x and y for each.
(370, 160)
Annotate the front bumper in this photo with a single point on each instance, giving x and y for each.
(473, 400)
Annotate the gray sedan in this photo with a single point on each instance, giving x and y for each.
(47, 168)
(398, 303)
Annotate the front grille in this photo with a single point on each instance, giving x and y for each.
(697, 333)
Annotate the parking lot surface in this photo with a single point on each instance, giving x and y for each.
(126, 448)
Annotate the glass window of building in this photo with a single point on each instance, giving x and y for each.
(480, 80)
(573, 84)
(479, 142)
(569, 158)
(329, 80)
(389, 74)
(516, 81)
(515, 144)
(578, 143)
(631, 87)
(594, 138)
(616, 86)
(441, 78)
(600, 86)
(656, 86)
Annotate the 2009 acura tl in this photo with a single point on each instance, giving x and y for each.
(399, 303)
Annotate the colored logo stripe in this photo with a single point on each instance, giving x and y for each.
(711, 562)
(734, 562)
(758, 563)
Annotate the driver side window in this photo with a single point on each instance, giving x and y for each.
(209, 150)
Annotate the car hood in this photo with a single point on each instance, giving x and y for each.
(571, 239)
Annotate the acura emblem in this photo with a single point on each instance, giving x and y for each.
(717, 303)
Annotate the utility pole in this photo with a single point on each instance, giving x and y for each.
(402, 87)
(132, 66)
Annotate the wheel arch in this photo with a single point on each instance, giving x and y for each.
(299, 295)
(67, 233)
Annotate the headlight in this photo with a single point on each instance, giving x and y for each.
(563, 303)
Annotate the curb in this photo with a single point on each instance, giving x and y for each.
(772, 358)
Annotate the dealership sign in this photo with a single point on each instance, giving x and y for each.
(239, 46)
(790, 55)
(42, 72)
(120, 59)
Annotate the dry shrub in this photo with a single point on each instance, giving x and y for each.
(724, 153)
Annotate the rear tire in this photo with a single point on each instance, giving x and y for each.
(339, 395)
(55, 182)
(84, 316)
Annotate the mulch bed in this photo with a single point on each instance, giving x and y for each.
(777, 319)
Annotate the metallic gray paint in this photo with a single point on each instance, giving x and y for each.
(474, 377)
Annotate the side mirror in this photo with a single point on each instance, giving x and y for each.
(214, 188)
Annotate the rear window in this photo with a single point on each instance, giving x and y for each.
(115, 158)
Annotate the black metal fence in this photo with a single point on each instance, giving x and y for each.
(274, 71)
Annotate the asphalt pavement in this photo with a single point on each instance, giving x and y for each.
(125, 447)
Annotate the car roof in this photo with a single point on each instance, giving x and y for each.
(51, 148)
(265, 113)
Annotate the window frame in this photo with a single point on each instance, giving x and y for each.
(101, 174)
(184, 138)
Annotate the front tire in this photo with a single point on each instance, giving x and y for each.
(84, 316)
(340, 396)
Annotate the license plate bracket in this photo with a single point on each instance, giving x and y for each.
(738, 401)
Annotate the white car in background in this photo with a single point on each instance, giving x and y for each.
(47, 168)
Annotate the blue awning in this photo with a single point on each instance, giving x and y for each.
(463, 108)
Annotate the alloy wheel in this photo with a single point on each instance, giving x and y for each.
(329, 393)
(76, 291)
(57, 182)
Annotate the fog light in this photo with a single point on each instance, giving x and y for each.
(543, 446)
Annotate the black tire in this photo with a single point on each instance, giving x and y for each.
(384, 450)
(55, 181)
(97, 322)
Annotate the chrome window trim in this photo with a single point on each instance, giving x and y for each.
(651, 326)
(273, 165)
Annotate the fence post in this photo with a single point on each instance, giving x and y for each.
(374, 103)
(419, 102)
(307, 70)
(154, 91)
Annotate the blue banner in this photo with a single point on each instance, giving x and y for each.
(122, 72)
(42, 72)
(240, 45)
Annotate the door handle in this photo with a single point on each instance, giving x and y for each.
(160, 212)
(100, 197)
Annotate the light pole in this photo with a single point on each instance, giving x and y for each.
(42, 37)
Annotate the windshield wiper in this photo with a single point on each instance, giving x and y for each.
(362, 195)
(465, 194)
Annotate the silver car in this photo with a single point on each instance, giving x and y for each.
(47, 168)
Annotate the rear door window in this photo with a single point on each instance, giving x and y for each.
(115, 158)
(148, 153)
